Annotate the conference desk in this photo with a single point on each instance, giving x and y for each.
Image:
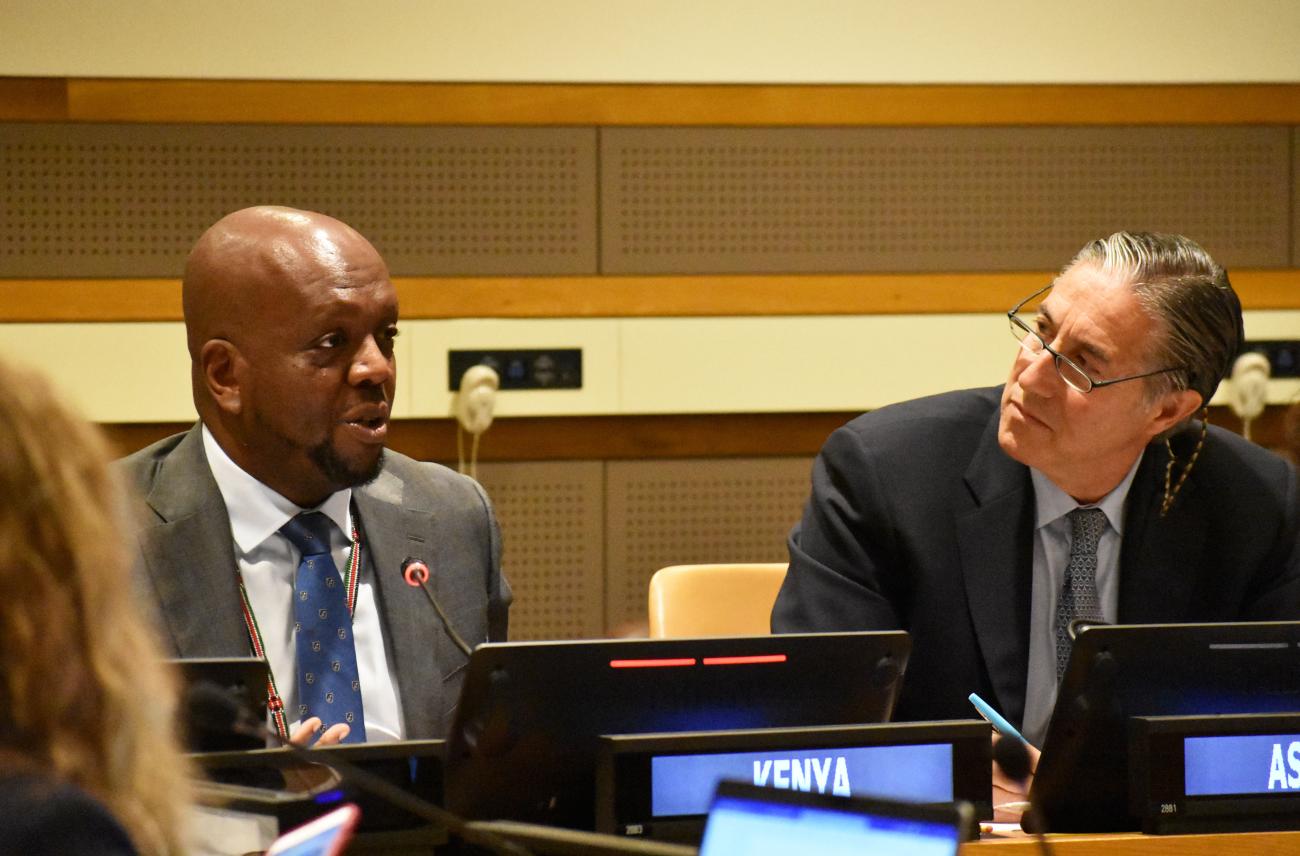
(1010, 844)
(1099, 844)
(1136, 844)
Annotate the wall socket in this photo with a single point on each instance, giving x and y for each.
(1283, 355)
(549, 368)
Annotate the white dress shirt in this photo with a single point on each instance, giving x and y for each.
(1051, 556)
(268, 562)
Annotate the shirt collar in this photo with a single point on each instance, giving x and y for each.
(1052, 503)
(256, 511)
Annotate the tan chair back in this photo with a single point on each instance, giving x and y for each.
(714, 600)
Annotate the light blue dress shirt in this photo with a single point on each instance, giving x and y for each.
(1051, 555)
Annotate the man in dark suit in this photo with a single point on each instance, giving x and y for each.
(291, 319)
(984, 521)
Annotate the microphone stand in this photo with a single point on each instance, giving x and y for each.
(416, 574)
(1012, 756)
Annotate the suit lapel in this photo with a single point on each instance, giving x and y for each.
(190, 556)
(995, 540)
(1155, 580)
(393, 533)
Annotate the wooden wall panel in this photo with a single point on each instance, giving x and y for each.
(313, 102)
(82, 200)
(730, 200)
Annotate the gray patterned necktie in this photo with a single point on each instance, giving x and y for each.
(1079, 593)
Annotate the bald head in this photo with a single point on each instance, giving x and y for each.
(247, 260)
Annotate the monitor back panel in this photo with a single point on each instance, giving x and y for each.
(1120, 671)
(523, 743)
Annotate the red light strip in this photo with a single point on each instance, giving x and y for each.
(652, 664)
(744, 661)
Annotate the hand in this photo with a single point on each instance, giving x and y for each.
(1011, 797)
(306, 730)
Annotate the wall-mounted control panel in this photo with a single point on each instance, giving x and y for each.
(547, 368)
(1283, 355)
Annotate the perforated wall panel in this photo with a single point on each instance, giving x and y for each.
(910, 199)
(129, 200)
(1295, 198)
(551, 517)
(682, 512)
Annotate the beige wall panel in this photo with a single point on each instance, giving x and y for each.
(662, 513)
(668, 40)
(128, 372)
(599, 339)
(1265, 326)
(139, 372)
(776, 200)
(130, 200)
(743, 365)
(112, 372)
(552, 529)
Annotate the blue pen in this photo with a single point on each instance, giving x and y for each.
(1006, 729)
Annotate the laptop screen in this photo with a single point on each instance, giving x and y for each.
(766, 822)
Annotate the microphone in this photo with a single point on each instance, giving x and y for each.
(416, 574)
(1079, 625)
(1013, 757)
(212, 707)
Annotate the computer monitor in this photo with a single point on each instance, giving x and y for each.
(1120, 671)
(759, 821)
(523, 742)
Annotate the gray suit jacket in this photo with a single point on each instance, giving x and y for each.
(185, 564)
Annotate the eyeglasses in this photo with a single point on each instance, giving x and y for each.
(1069, 370)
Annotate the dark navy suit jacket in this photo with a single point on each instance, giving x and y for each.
(918, 520)
(42, 817)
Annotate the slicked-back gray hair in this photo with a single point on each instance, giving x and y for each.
(1186, 291)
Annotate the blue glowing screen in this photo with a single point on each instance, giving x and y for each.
(1254, 764)
(684, 784)
(761, 829)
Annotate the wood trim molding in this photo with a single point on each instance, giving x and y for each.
(33, 99)
(665, 436)
(122, 300)
(317, 102)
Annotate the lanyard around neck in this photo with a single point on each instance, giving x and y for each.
(274, 703)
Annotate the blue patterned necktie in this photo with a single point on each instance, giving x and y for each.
(328, 682)
(1079, 597)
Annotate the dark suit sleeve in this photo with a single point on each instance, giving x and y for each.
(39, 817)
(1275, 595)
(844, 572)
(498, 588)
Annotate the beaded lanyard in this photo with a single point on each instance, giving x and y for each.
(274, 703)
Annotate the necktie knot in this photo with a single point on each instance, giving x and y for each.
(1086, 528)
(309, 532)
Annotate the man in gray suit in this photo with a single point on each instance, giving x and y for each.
(290, 319)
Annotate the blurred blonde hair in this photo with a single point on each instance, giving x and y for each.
(84, 694)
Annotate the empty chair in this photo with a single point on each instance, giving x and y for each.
(714, 600)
